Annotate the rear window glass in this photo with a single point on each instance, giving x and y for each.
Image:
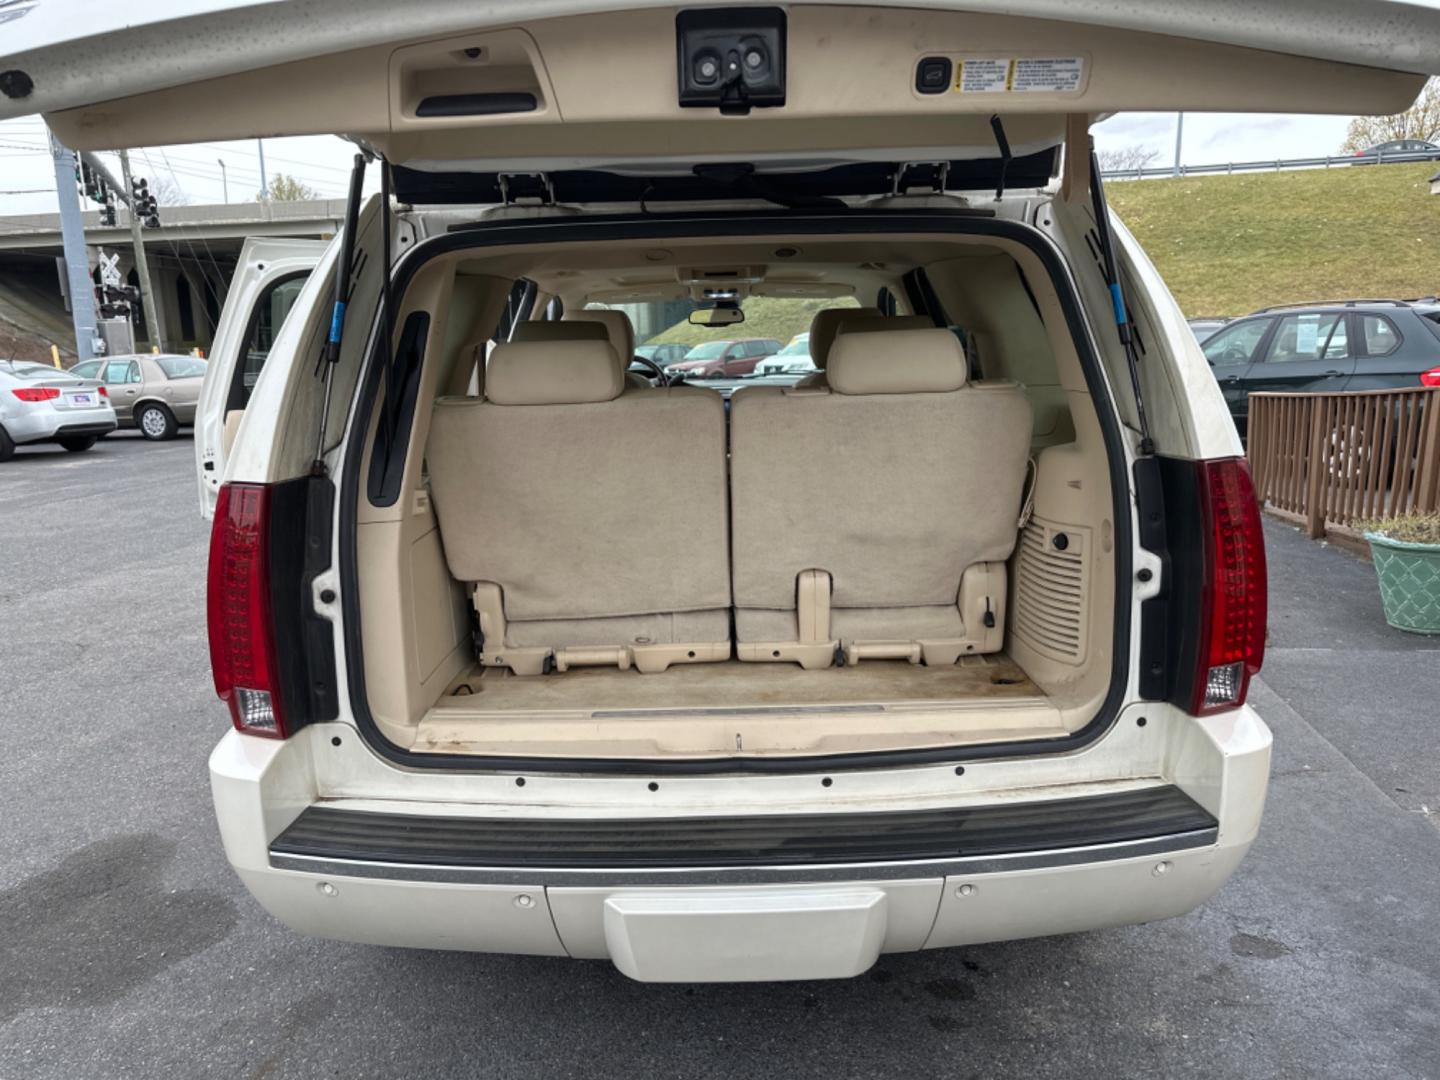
(34, 372)
(181, 367)
(1380, 335)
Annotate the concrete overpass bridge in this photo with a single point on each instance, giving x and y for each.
(192, 259)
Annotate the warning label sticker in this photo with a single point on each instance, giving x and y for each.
(982, 76)
(1052, 75)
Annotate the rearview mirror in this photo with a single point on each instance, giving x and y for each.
(719, 315)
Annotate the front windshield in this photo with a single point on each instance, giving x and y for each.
(665, 334)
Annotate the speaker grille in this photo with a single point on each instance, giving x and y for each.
(1051, 587)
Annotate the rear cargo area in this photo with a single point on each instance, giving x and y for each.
(910, 546)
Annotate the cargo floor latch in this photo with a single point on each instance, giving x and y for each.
(517, 186)
(930, 175)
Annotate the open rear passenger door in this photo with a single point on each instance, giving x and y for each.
(268, 279)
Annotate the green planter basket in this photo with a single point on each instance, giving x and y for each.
(1409, 583)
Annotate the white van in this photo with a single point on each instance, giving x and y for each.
(947, 642)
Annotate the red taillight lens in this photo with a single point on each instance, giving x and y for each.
(36, 393)
(103, 391)
(242, 628)
(1431, 377)
(1233, 599)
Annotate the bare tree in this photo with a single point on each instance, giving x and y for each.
(285, 188)
(168, 193)
(1126, 158)
(1420, 121)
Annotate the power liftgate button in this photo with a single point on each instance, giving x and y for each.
(932, 75)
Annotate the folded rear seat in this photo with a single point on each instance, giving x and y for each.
(872, 518)
(589, 517)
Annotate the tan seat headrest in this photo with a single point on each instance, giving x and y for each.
(826, 324)
(553, 373)
(927, 361)
(543, 330)
(617, 325)
(869, 324)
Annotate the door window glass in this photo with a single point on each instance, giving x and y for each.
(1380, 335)
(1309, 337)
(122, 371)
(1235, 345)
(265, 323)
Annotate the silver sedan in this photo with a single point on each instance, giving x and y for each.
(39, 403)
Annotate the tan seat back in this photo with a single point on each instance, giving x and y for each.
(899, 484)
(555, 491)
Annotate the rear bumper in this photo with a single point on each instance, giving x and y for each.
(799, 891)
(39, 426)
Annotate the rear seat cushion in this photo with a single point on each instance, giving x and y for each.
(553, 373)
(601, 509)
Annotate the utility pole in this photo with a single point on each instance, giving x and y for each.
(77, 263)
(1179, 134)
(224, 179)
(264, 184)
(142, 265)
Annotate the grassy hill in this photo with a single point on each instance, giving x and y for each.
(1230, 244)
(765, 316)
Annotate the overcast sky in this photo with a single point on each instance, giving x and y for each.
(27, 177)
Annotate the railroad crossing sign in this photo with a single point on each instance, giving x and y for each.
(109, 269)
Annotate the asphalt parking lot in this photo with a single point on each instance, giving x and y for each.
(127, 948)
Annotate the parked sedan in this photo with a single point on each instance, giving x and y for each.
(1323, 348)
(155, 393)
(1400, 150)
(724, 359)
(39, 403)
(794, 359)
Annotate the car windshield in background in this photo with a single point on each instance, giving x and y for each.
(181, 367)
(711, 350)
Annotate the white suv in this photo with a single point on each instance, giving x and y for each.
(948, 642)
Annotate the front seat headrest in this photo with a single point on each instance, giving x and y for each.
(826, 324)
(617, 326)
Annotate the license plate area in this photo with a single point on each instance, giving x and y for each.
(746, 935)
(81, 399)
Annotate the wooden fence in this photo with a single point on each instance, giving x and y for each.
(1326, 460)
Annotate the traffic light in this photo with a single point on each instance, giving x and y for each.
(107, 209)
(89, 182)
(144, 205)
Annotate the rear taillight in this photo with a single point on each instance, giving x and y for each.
(242, 626)
(1431, 377)
(1233, 598)
(103, 391)
(36, 393)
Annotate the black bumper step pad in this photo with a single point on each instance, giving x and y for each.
(322, 832)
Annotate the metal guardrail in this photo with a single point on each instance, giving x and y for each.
(1278, 165)
(1326, 460)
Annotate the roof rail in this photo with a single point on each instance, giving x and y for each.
(1330, 303)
